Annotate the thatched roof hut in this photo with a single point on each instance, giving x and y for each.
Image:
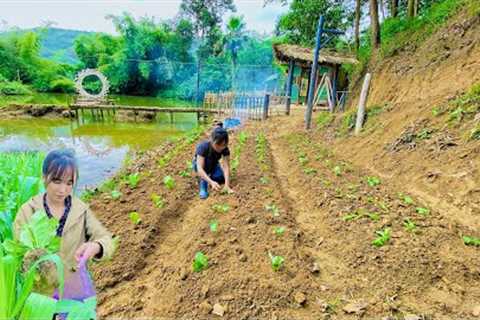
(304, 56)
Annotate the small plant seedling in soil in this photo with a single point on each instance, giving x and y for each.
(133, 180)
(373, 216)
(169, 182)
(221, 208)
(337, 170)
(303, 160)
(422, 211)
(264, 180)
(135, 218)
(406, 199)
(310, 171)
(184, 173)
(242, 137)
(213, 225)
(279, 231)
(409, 225)
(351, 217)
(273, 209)
(157, 200)
(373, 181)
(276, 261)
(116, 194)
(383, 237)
(471, 241)
(200, 262)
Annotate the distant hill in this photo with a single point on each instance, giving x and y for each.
(57, 44)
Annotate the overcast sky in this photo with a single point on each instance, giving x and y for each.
(90, 15)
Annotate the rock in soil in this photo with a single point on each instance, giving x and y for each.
(218, 310)
(355, 307)
(206, 307)
(476, 311)
(300, 298)
(315, 268)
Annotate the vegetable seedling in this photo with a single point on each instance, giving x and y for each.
(133, 180)
(157, 200)
(383, 237)
(422, 211)
(200, 262)
(276, 261)
(337, 170)
(116, 194)
(409, 225)
(184, 173)
(373, 181)
(279, 231)
(135, 218)
(169, 182)
(273, 209)
(264, 180)
(471, 241)
(221, 208)
(213, 225)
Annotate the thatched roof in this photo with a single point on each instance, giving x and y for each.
(304, 56)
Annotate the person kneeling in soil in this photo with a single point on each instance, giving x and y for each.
(206, 162)
(83, 237)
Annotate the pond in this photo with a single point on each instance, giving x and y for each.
(101, 146)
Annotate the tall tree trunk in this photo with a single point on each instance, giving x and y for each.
(375, 24)
(411, 8)
(394, 8)
(358, 16)
(382, 9)
(416, 8)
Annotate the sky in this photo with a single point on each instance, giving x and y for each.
(89, 15)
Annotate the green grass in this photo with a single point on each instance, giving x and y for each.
(324, 119)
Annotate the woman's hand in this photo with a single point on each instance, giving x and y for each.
(87, 251)
(215, 186)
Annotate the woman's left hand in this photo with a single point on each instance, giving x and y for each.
(87, 251)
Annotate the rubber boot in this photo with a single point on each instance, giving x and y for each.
(203, 189)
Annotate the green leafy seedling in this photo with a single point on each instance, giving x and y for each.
(133, 180)
(471, 241)
(409, 225)
(422, 211)
(273, 209)
(373, 181)
(303, 159)
(200, 262)
(310, 171)
(157, 200)
(279, 231)
(264, 180)
(135, 217)
(221, 208)
(406, 199)
(213, 225)
(242, 137)
(383, 236)
(351, 216)
(337, 170)
(374, 216)
(169, 182)
(184, 173)
(116, 194)
(276, 261)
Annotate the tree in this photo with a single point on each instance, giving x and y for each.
(394, 8)
(374, 23)
(411, 8)
(299, 24)
(234, 40)
(358, 16)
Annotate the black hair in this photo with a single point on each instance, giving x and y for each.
(219, 136)
(58, 163)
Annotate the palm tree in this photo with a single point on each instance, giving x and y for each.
(234, 39)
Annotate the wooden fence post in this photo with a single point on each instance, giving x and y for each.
(266, 102)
